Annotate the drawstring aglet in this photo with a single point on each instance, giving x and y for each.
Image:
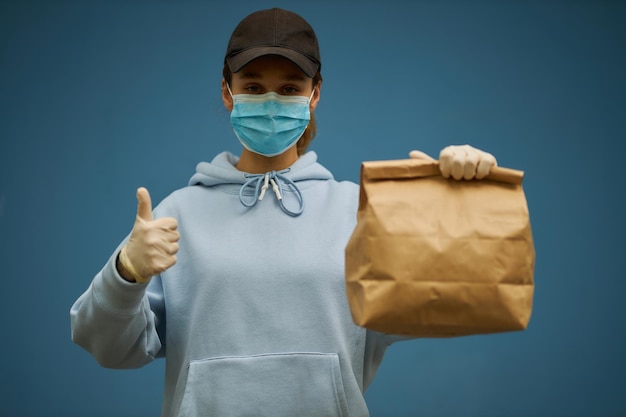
(276, 189)
(265, 186)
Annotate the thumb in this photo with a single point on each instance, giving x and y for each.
(420, 155)
(144, 204)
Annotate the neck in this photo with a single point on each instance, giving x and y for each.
(253, 163)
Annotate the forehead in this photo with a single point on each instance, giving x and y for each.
(272, 66)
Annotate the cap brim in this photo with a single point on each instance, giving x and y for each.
(238, 61)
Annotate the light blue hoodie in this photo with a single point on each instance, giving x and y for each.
(253, 318)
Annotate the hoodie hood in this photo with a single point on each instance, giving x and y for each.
(252, 188)
(222, 170)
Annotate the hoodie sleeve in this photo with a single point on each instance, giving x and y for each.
(117, 321)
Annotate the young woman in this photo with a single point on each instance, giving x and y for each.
(238, 279)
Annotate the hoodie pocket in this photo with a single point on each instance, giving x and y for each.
(276, 385)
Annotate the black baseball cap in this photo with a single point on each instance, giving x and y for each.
(274, 32)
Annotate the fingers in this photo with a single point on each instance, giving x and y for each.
(153, 243)
(447, 158)
(144, 204)
(484, 166)
(162, 235)
(161, 244)
(469, 163)
(445, 161)
(465, 162)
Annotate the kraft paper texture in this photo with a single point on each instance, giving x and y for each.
(436, 257)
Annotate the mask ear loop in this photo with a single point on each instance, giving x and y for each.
(309, 103)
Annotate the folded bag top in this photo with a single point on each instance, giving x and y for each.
(436, 257)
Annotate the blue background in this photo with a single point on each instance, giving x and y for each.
(100, 97)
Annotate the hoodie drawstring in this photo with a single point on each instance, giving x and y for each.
(262, 182)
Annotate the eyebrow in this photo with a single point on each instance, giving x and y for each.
(255, 76)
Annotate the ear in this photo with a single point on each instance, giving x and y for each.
(316, 97)
(226, 97)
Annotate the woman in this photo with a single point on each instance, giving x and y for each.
(238, 279)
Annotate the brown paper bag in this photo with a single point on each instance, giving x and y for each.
(436, 257)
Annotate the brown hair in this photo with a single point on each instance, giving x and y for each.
(309, 133)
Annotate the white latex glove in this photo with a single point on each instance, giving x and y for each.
(465, 162)
(152, 245)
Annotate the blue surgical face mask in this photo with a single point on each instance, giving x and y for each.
(269, 124)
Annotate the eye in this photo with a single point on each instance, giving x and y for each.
(253, 89)
(289, 90)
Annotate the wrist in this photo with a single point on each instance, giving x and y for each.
(125, 268)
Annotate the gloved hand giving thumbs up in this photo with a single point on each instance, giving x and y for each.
(152, 245)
